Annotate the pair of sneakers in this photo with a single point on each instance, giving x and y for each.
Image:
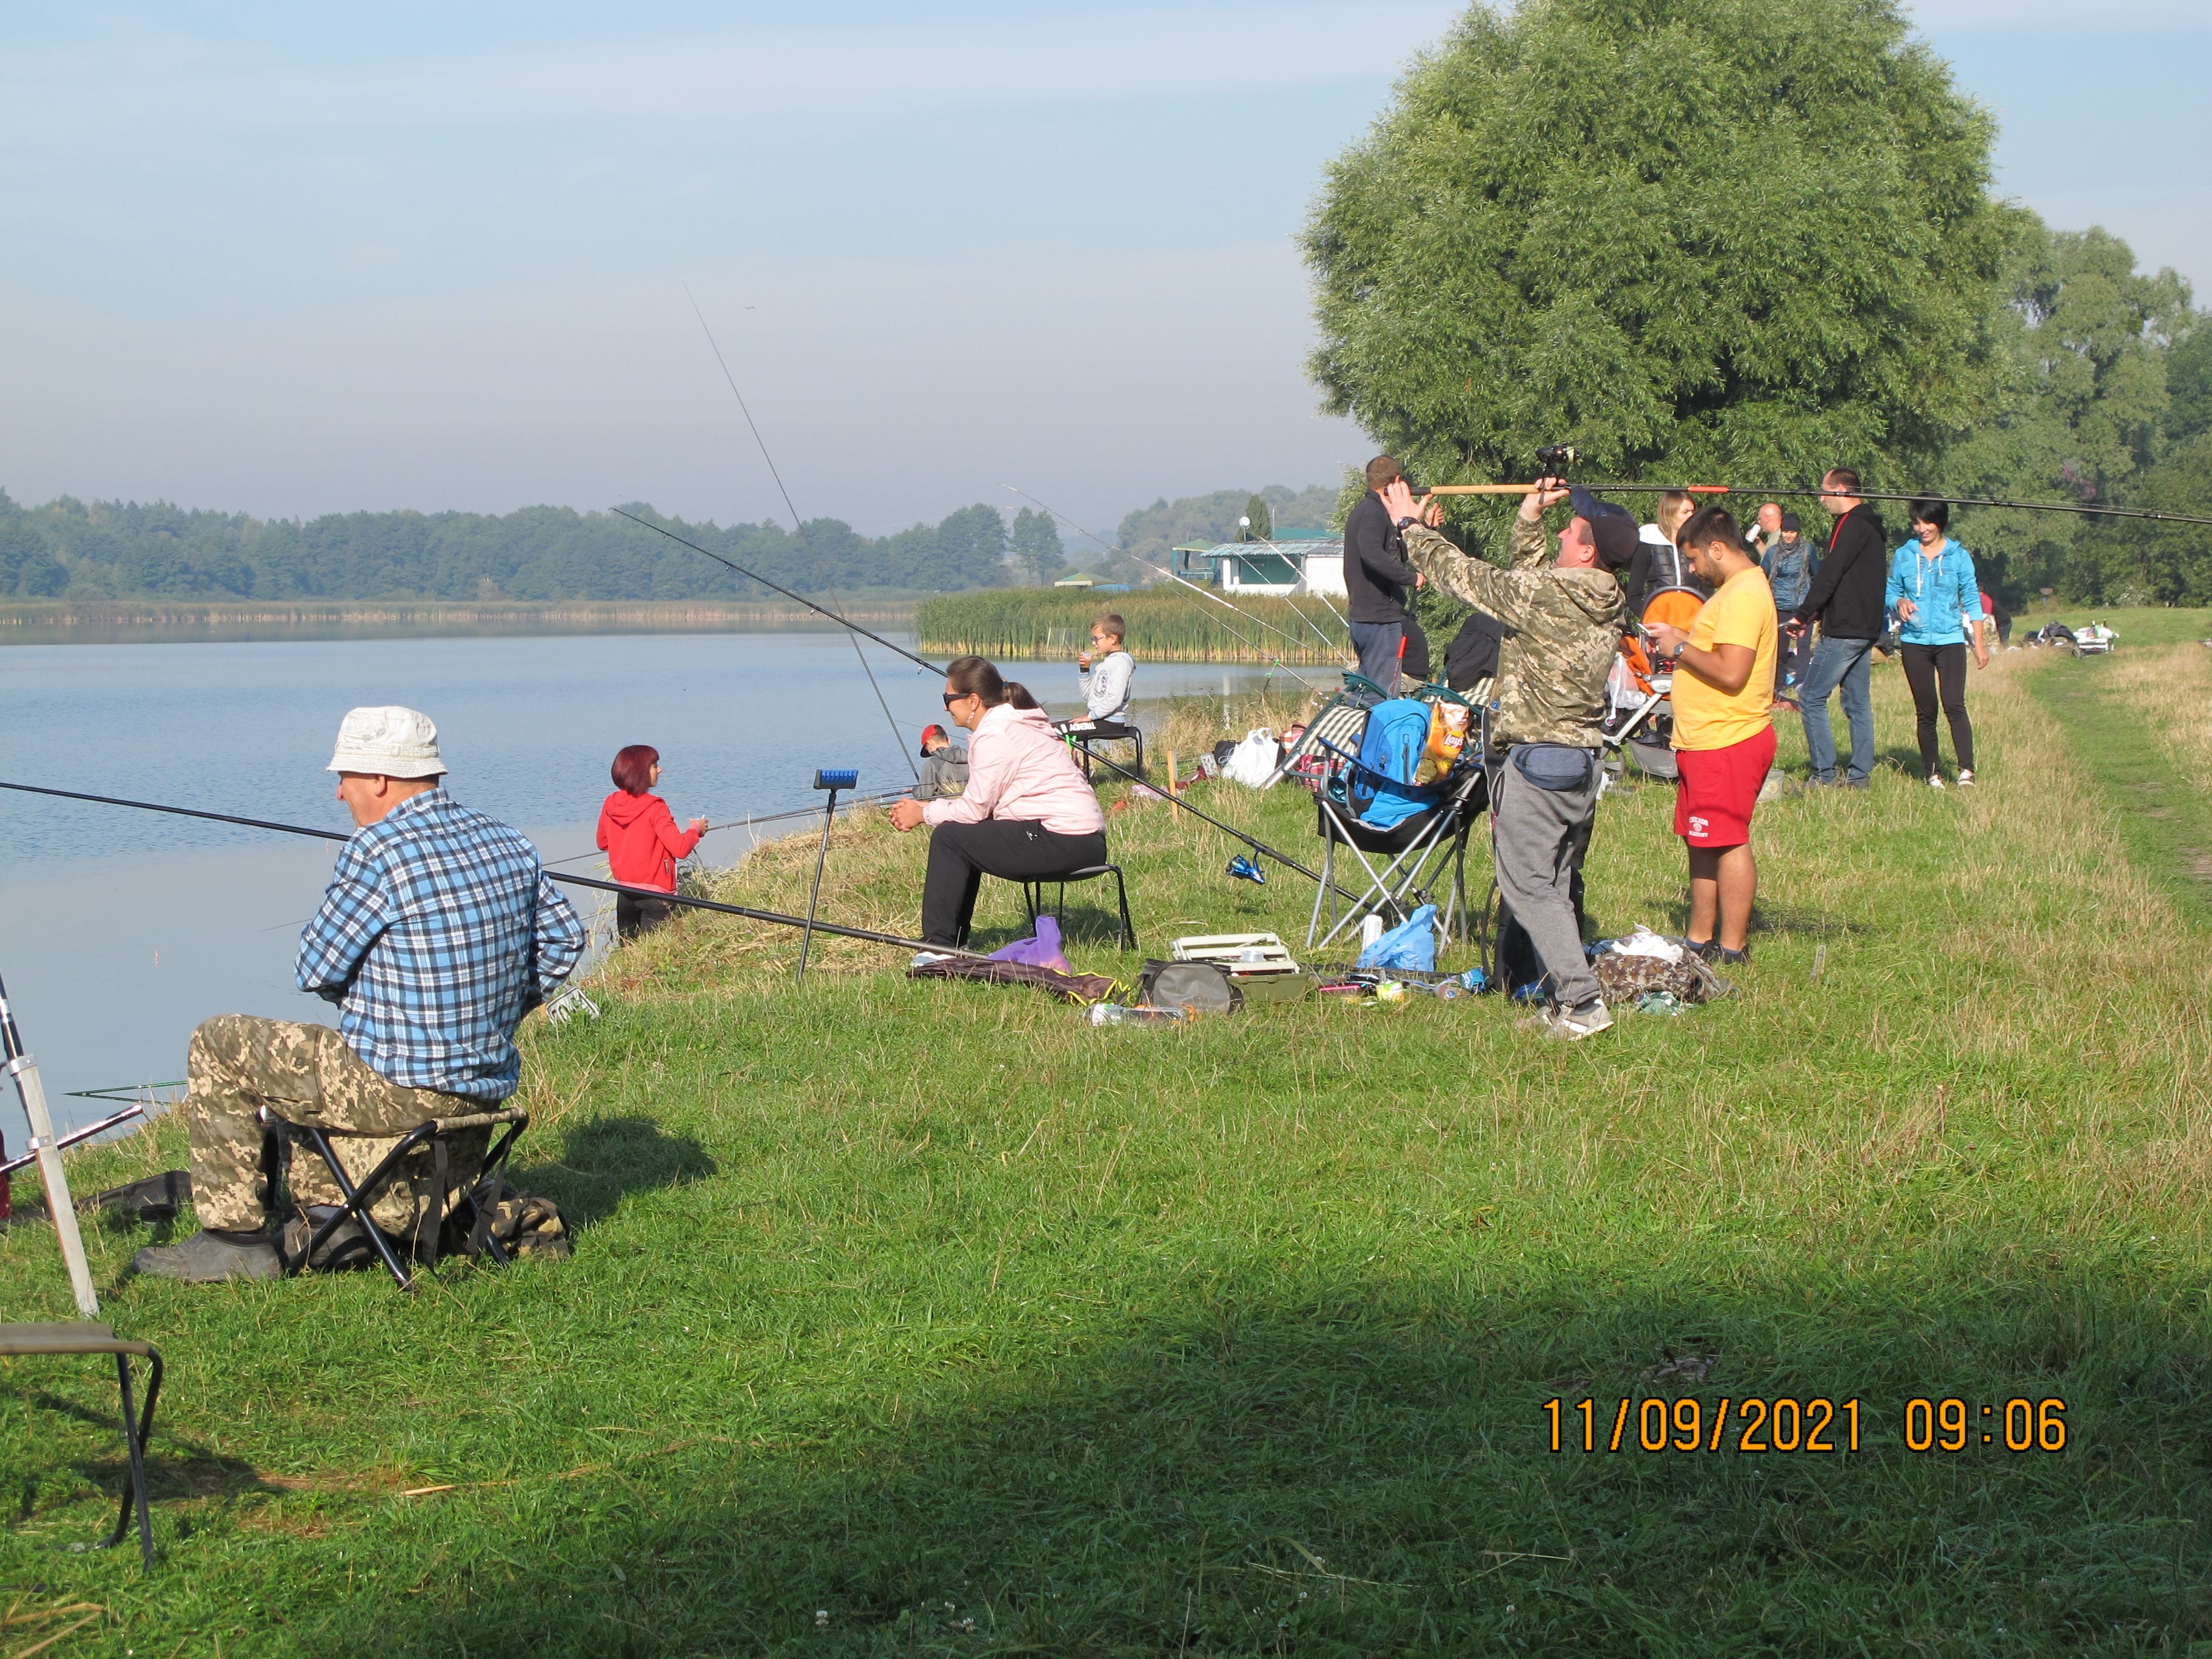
(1965, 779)
(1719, 954)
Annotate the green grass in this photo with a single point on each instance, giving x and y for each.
(1166, 623)
(911, 1305)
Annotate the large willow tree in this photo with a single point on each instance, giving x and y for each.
(1687, 236)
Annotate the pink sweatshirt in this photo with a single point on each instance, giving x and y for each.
(1019, 767)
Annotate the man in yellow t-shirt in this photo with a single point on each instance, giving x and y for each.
(1724, 734)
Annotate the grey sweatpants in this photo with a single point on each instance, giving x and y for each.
(1538, 837)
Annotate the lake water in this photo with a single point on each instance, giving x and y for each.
(120, 931)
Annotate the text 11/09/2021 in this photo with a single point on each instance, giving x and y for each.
(1782, 1424)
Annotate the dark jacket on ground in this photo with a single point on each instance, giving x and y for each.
(1473, 654)
(1845, 598)
(1376, 573)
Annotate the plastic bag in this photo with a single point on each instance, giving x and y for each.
(1254, 762)
(1043, 951)
(1412, 944)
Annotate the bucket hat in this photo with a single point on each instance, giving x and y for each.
(389, 741)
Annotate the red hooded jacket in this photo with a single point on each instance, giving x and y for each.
(639, 836)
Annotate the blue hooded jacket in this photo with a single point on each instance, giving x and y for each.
(1945, 594)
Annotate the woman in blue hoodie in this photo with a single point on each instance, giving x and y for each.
(1934, 591)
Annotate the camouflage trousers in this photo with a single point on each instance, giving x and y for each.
(306, 1074)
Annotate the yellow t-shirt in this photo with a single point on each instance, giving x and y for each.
(1742, 613)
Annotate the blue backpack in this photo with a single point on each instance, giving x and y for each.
(1380, 791)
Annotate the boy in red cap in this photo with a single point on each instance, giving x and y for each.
(944, 767)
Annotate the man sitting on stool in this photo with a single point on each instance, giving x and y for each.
(437, 933)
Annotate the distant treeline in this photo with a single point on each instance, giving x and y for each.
(69, 549)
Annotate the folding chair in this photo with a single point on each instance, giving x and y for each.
(1414, 854)
(1338, 725)
(469, 1210)
(1081, 734)
(17, 1341)
(1033, 895)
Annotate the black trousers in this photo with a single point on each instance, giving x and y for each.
(634, 915)
(962, 855)
(1926, 667)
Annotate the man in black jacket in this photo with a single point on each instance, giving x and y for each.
(1846, 600)
(1376, 578)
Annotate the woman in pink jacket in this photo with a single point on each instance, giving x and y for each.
(1027, 814)
(638, 833)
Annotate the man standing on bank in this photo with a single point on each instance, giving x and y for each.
(1376, 578)
(1566, 619)
(1724, 732)
(1845, 600)
(437, 933)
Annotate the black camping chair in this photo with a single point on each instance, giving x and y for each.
(469, 1210)
(1405, 862)
(1081, 734)
(1033, 895)
(21, 1341)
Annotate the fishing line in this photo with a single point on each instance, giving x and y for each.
(742, 823)
(1202, 592)
(798, 524)
(573, 880)
(1815, 493)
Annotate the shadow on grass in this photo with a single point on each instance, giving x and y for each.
(605, 1159)
(1357, 1469)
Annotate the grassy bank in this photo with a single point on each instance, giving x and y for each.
(1166, 625)
(913, 1318)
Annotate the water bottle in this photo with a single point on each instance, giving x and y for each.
(1371, 929)
(1113, 1013)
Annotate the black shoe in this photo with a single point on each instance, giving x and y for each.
(1727, 959)
(1699, 947)
(347, 1246)
(208, 1258)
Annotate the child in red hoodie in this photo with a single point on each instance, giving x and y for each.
(639, 836)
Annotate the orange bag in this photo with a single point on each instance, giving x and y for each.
(1448, 724)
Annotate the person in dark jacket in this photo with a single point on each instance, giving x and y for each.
(1846, 600)
(1376, 578)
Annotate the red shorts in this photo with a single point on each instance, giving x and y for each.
(1719, 788)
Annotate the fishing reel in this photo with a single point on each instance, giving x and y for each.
(1553, 461)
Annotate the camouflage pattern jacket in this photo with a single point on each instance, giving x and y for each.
(1566, 629)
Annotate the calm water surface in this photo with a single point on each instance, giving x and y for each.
(120, 931)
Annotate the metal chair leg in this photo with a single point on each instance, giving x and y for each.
(137, 1427)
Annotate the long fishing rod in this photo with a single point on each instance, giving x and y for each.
(798, 523)
(749, 914)
(747, 823)
(821, 610)
(1815, 493)
(1202, 592)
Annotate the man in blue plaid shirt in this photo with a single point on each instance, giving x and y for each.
(438, 933)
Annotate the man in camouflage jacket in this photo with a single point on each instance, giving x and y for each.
(1566, 616)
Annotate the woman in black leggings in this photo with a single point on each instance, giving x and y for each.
(1933, 589)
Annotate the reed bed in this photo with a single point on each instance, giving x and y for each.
(1165, 625)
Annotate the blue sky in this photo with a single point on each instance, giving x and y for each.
(293, 259)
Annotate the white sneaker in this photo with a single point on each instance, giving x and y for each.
(1965, 778)
(1935, 780)
(1572, 1025)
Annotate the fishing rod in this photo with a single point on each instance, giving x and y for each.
(822, 610)
(1815, 493)
(592, 882)
(747, 823)
(798, 523)
(1326, 642)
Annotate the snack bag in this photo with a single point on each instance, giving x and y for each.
(1448, 723)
